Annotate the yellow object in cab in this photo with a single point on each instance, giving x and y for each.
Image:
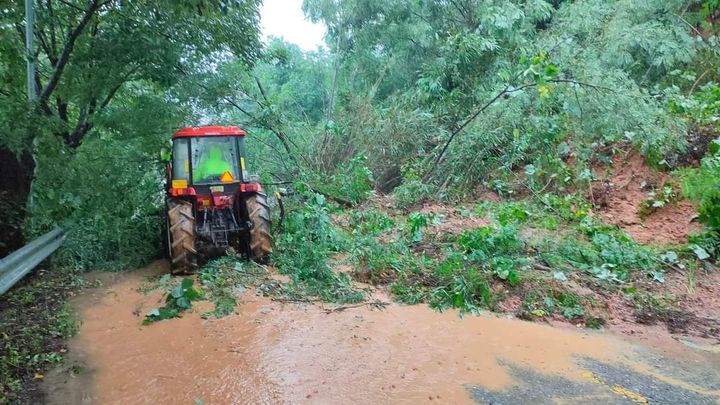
(181, 183)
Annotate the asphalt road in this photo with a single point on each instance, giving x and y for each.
(602, 383)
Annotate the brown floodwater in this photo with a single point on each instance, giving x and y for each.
(270, 352)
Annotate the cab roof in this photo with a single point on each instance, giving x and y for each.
(208, 130)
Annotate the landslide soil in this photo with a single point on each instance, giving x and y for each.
(270, 352)
(624, 187)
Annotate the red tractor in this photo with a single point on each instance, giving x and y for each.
(212, 202)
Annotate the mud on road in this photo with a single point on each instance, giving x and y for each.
(269, 352)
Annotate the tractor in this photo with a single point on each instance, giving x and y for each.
(212, 203)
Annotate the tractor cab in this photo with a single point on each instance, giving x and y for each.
(212, 201)
(208, 160)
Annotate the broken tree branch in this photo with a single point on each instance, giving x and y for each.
(504, 92)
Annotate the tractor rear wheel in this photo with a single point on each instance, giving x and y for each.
(181, 235)
(260, 238)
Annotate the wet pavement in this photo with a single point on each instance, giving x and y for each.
(600, 383)
(271, 352)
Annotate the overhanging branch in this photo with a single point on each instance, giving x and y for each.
(507, 90)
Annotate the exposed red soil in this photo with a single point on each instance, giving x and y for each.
(510, 305)
(619, 196)
(694, 311)
(702, 298)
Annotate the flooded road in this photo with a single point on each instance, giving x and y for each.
(270, 352)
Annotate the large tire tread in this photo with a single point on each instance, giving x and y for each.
(181, 223)
(260, 237)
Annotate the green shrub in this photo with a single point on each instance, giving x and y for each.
(709, 7)
(461, 286)
(702, 185)
(412, 190)
(619, 254)
(703, 106)
(375, 262)
(107, 196)
(304, 247)
(352, 181)
(497, 251)
(555, 302)
(409, 291)
(370, 222)
(657, 199)
(416, 221)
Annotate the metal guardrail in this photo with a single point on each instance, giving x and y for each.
(19, 263)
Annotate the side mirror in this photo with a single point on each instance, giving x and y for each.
(164, 155)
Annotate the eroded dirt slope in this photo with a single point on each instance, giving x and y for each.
(622, 190)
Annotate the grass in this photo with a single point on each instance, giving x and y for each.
(35, 321)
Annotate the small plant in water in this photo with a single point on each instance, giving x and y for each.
(178, 300)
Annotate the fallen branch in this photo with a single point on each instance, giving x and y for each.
(506, 91)
(542, 267)
(295, 300)
(342, 201)
(377, 304)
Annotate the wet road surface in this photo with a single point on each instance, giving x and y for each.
(270, 352)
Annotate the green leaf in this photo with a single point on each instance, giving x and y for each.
(193, 294)
(176, 292)
(183, 303)
(700, 252)
(669, 256)
(551, 71)
(513, 278)
(538, 312)
(714, 146)
(186, 283)
(658, 276)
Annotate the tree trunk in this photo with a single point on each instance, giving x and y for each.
(15, 180)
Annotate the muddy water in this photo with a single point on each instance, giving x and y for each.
(270, 352)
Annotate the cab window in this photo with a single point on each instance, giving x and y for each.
(212, 157)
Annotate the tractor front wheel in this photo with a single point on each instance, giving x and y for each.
(260, 238)
(181, 235)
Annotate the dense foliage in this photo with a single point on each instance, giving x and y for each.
(429, 99)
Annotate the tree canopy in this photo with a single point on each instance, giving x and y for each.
(421, 98)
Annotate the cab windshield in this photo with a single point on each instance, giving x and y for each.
(212, 158)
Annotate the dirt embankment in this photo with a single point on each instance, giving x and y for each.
(623, 188)
(269, 352)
